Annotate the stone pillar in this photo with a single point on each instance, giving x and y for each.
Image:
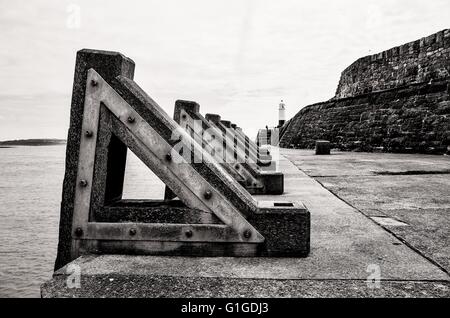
(322, 147)
(109, 65)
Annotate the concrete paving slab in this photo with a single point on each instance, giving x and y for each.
(392, 192)
(345, 245)
(344, 241)
(360, 163)
(387, 221)
(414, 189)
(115, 285)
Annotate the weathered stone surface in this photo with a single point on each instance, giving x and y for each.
(108, 65)
(165, 127)
(153, 211)
(120, 104)
(407, 119)
(415, 62)
(273, 182)
(243, 173)
(410, 188)
(192, 113)
(140, 286)
(394, 101)
(242, 144)
(285, 226)
(344, 243)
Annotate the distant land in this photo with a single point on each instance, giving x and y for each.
(32, 142)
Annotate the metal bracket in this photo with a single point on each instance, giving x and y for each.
(264, 157)
(273, 182)
(187, 183)
(214, 216)
(188, 115)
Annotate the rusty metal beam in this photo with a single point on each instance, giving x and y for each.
(255, 181)
(190, 185)
(241, 150)
(273, 181)
(241, 147)
(263, 155)
(265, 160)
(260, 156)
(187, 114)
(215, 215)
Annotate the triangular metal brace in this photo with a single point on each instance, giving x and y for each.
(190, 186)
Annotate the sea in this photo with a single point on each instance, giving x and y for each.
(31, 180)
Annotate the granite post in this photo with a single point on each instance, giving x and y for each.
(108, 65)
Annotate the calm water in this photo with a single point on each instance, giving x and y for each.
(30, 194)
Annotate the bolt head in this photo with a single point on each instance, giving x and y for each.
(94, 83)
(207, 195)
(89, 133)
(169, 157)
(83, 183)
(189, 233)
(78, 231)
(247, 234)
(184, 116)
(133, 232)
(236, 167)
(131, 119)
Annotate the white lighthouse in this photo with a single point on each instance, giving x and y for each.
(281, 114)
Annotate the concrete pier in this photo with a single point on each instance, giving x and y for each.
(348, 245)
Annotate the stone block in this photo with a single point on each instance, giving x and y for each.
(210, 218)
(273, 182)
(108, 65)
(322, 147)
(250, 179)
(286, 227)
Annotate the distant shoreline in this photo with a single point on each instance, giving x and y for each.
(32, 142)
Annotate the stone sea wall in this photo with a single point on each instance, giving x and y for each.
(415, 62)
(412, 119)
(396, 101)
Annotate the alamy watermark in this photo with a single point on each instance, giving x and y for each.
(374, 279)
(192, 142)
(73, 19)
(73, 280)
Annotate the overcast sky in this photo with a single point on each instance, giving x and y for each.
(236, 58)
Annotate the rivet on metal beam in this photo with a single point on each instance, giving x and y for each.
(133, 232)
(247, 234)
(236, 167)
(189, 233)
(207, 195)
(169, 157)
(184, 116)
(78, 231)
(89, 133)
(83, 183)
(94, 83)
(131, 119)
